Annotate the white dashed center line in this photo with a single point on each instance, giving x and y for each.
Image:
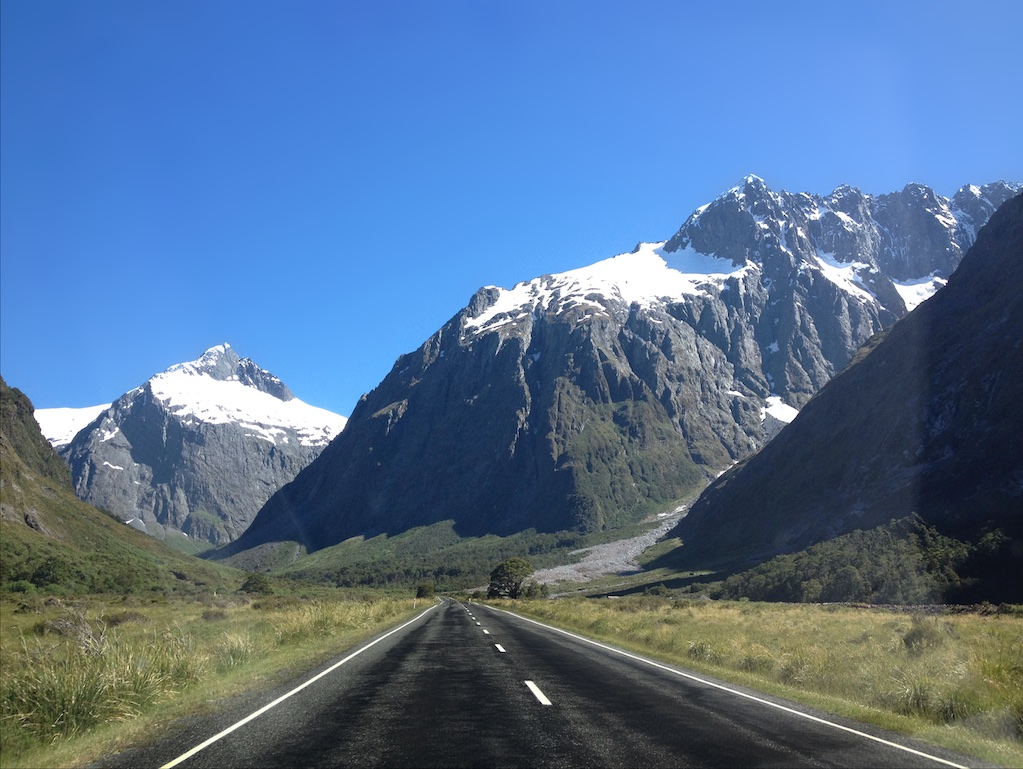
(500, 648)
(537, 693)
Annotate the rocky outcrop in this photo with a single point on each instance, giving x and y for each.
(198, 449)
(587, 399)
(830, 271)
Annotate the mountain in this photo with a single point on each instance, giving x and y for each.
(197, 450)
(925, 423)
(51, 540)
(586, 400)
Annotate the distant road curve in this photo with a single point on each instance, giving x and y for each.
(465, 685)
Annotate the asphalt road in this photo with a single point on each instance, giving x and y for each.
(471, 686)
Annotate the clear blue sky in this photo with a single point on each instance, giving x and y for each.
(324, 184)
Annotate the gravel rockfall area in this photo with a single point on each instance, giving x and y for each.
(617, 557)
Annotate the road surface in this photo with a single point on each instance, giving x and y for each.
(465, 685)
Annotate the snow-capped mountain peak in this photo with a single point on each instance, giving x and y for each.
(888, 253)
(751, 185)
(220, 387)
(831, 269)
(223, 364)
(197, 448)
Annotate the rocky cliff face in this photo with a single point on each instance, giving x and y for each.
(827, 272)
(585, 399)
(198, 449)
(925, 421)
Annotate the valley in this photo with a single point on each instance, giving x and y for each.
(573, 384)
(748, 450)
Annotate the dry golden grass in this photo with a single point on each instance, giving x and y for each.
(76, 677)
(951, 679)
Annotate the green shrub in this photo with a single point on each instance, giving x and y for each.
(257, 583)
(507, 578)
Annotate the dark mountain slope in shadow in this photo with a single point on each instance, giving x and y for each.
(926, 419)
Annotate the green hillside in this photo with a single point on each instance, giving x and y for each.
(51, 541)
(435, 553)
(901, 562)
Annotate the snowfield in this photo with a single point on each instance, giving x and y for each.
(60, 425)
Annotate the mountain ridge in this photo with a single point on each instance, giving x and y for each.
(585, 400)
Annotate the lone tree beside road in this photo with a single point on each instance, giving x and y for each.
(506, 580)
(425, 590)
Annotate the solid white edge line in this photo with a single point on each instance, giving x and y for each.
(296, 690)
(537, 693)
(754, 698)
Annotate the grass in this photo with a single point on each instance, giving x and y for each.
(183, 544)
(87, 678)
(954, 680)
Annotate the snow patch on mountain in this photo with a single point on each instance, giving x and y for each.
(915, 292)
(60, 425)
(845, 275)
(193, 396)
(778, 409)
(646, 276)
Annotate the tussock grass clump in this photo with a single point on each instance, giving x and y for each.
(926, 633)
(124, 617)
(756, 659)
(60, 691)
(703, 651)
(950, 678)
